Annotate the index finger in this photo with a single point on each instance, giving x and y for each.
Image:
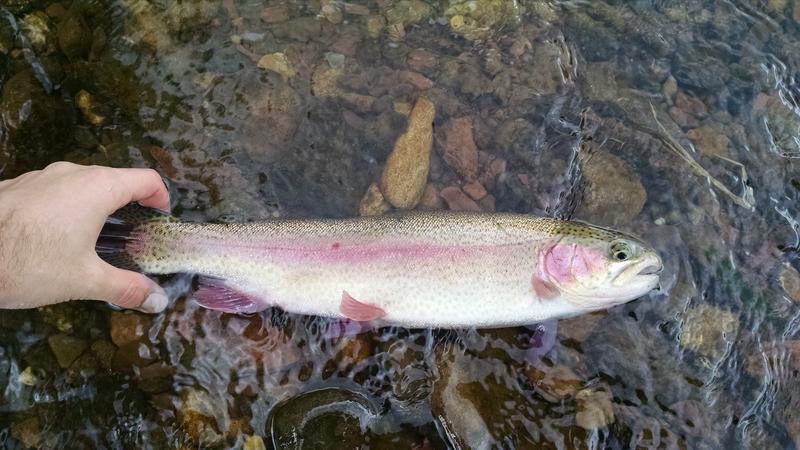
(144, 186)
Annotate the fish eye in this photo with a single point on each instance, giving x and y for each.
(621, 251)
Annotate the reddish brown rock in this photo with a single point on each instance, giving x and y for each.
(422, 60)
(710, 140)
(495, 168)
(682, 118)
(475, 190)
(430, 199)
(459, 149)
(553, 382)
(457, 200)
(275, 14)
(126, 328)
(691, 105)
(417, 80)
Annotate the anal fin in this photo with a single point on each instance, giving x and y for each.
(215, 294)
(359, 311)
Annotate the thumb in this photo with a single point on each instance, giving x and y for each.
(129, 290)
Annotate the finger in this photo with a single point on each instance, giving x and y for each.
(144, 186)
(128, 289)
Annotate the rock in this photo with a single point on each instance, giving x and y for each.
(430, 200)
(488, 203)
(375, 25)
(709, 330)
(37, 28)
(28, 432)
(66, 348)
(408, 12)
(475, 190)
(459, 149)
(614, 193)
(74, 36)
(38, 127)
(457, 200)
(278, 63)
(669, 89)
(275, 13)
(127, 327)
(89, 108)
(373, 203)
(406, 172)
(476, 20)
(66, 317)
(396, 32)
(355, 9)
(356, 349)
(594, 409)
(423, 61)
(27, 377)
(789, 280)
(682, 118)
(333, 12)
(580, 327)
(104, 352)
(520, 45)
(555, 382)
(196, 416)
(419, 81)
(319, 417)
(691, 105)
(710, 140)
(494, 169)
(254, 443)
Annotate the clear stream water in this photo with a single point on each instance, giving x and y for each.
(674, 120)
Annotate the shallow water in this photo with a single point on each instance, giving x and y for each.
(590, 105)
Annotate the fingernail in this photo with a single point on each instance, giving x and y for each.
(155, 303)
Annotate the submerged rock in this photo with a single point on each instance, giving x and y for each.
(555, 382)
(127, 327)
(709, 330)
(614, 193)
(373, 203)
(457, 200)
(790, 282)
(476, 20)
(28, 432)
(320, 417)
(278, 63)
(406, 172)
(74, 36)
(594, 409)
(254, 443)
(196, 416)
(66, 348)
(458, 149)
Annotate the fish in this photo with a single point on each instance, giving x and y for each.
(418, 269)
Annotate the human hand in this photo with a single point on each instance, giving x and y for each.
(49, 223)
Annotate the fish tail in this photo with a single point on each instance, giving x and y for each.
(125, 234)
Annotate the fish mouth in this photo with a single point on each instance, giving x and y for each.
(651, 269)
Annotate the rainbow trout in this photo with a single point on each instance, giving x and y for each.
(415, 270)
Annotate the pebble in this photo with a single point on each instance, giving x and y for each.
(66, 348)
(594, 409)
(669, 89)
(710, 140)
(418, 80)
(406, 171)
(488, 203)
(422, 60)
(275, 14)
(127, 327)
(708, 330)
(614, 192)
(278, 63)
(375, 25)
(555, 382)
(28, 432)
(790, 282)
(254, 442)
(691, 105)
(494, 169)
(459, 149)
(457, 200)
(373, 203)
(430, 200)
(475, 190)
(87, 105)
(196, 417)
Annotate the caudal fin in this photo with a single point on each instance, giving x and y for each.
(122, 232)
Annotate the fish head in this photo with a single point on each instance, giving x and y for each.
(592, 268)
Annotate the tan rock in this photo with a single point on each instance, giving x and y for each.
(275, 14)
(373, 203)
(127, 328)
(614, 193)
(594, 409)
(553, 382)
(254, 443)
(709, 330)
(710, 140)
(406, 172)
(375, 25)
(790, 282)
(418, 80)
(278, 63)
